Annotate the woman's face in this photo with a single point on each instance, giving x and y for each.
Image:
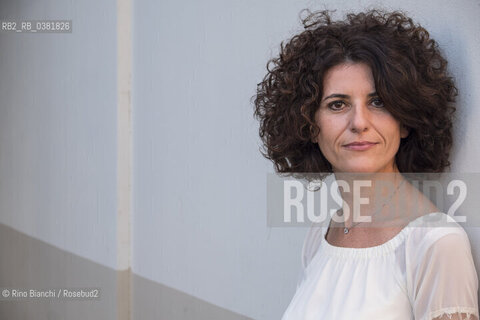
(357, 134)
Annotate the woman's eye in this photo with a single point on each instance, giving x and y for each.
(336, 105)
(377, 102)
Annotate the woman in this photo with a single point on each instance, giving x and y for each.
(369, 95)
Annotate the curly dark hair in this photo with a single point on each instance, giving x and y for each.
(410, 77)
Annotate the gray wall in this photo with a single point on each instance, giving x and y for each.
(199, 221)
(58, 158)
(200, 246)
(58, 128)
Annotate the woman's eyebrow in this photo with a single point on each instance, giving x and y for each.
(337, 95)
(346, 96)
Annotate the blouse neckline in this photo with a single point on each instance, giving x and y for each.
(378, 250)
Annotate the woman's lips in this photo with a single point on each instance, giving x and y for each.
(359, 146)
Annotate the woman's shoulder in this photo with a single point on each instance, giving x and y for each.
(433, 229)
(440, 276)
(429, 227)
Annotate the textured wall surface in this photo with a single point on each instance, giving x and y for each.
(199, 238)
(58, 128)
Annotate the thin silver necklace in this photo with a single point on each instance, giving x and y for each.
(346, 230)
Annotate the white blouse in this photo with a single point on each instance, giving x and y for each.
(424, 272)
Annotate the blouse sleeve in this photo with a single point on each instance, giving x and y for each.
(310, 246)
(441, 277)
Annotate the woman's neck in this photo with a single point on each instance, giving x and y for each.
(370, 197)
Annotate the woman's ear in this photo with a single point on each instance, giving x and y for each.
(404, 131)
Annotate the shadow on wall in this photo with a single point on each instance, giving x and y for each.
(27, 263)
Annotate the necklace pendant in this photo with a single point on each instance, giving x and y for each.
(345, 230)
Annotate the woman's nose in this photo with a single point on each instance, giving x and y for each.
(359, 118)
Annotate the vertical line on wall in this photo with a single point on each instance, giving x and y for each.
(124, 158)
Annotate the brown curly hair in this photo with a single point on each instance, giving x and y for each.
(410, 77)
